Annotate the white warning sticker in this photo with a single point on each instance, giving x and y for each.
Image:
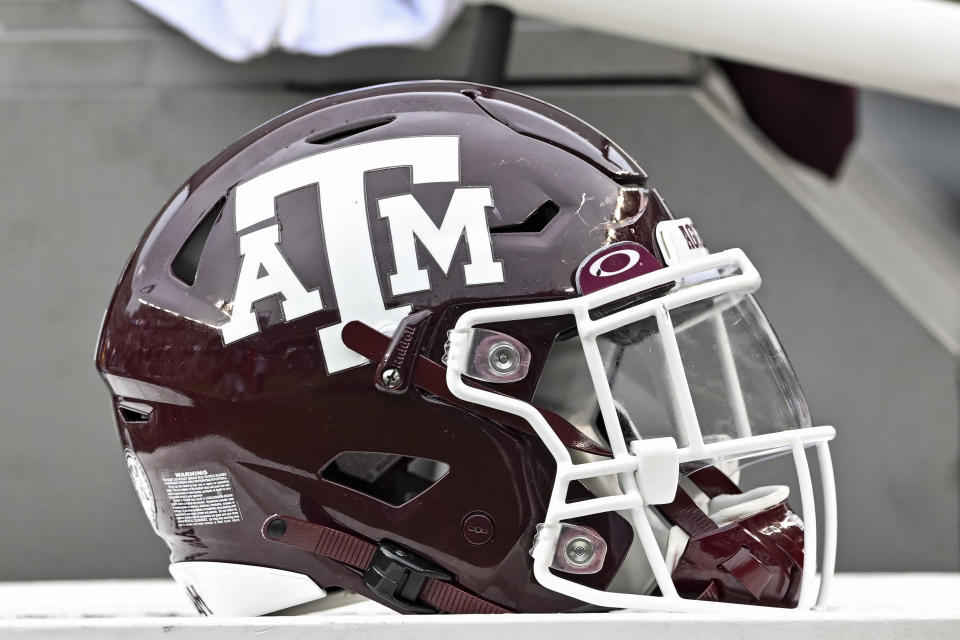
(199, 497)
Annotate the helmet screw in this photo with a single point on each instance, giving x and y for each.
(579, 551)
(391, 378)
(277, 528)
(504, 358)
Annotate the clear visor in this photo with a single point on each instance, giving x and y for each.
(737, 375)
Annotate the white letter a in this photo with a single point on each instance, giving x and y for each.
(259, 249)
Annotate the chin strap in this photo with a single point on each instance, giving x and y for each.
(685, 513)
(405, 581)
(756, 559)
(432, 377)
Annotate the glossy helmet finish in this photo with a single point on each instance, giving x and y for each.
(341, 357)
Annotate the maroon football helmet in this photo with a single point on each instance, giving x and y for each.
(437, 344)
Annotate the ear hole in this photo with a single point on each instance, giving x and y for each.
(187, 261)
(134, 412)
(350, 129)
(388, 477)
(536, 222)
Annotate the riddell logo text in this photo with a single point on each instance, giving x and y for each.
(338, 175)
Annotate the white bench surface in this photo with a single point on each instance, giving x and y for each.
(871, 606)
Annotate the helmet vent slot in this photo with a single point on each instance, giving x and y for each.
(533, 223)
(187, 261)
(388, 477)
(350, 129)
(134, 412)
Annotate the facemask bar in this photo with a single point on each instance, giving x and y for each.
(744, 279)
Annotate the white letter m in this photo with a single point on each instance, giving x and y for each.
(465, 217)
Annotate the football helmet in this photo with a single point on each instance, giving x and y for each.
(440, 345)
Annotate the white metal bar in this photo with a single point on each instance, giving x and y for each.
(683, 408)
(597, 469)
(758, 443)
(644, 531)
(731, 379)
(748, 279)
(808, 513)
(598, 374)
(828, 491)
(682, 297)
(591, 506)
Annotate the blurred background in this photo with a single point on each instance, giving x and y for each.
(847, 200)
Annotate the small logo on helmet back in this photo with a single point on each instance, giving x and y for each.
(477, 528)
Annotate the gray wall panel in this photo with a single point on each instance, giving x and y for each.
(80, 178)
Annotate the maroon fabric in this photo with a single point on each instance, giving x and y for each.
(713, 482)
(685, 513)
(451, 599)
(323, 541)
(756, 560)
(748, 571)
(571, 437)
(812, 121)
(711, 593)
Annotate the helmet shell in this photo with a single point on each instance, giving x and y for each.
(264, 410)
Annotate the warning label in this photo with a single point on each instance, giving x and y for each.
(200, 497)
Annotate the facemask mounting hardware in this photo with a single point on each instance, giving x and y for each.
(391, 378)
(504, 358)
(576, 548)
(397, 366)
(492, 356)
(579, 551)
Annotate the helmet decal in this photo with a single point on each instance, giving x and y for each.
(339, 176)
(612, 264)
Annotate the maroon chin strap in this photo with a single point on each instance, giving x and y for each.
(432, 377)
(755, 560)
(407, 582)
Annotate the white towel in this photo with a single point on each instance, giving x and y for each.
(239, 30)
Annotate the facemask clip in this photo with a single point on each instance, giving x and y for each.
(658, 469)
(496, 357)
(578, 549)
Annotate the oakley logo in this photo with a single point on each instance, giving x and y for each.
(339, 176)
(616, 263)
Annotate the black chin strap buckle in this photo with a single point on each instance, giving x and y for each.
(398, 576)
